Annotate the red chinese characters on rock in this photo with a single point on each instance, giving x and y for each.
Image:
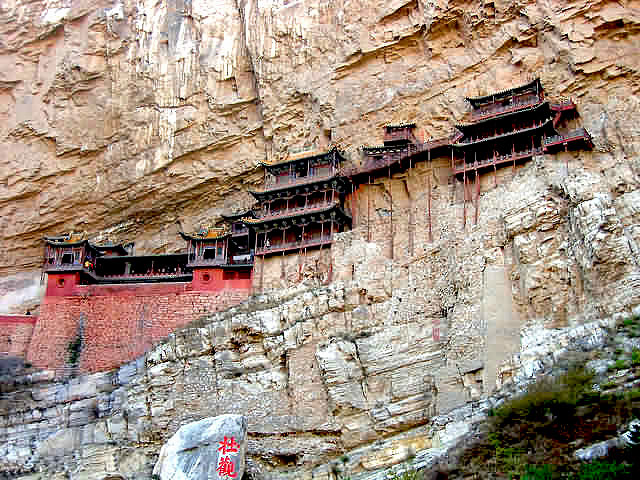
(435, 331)
(226, 467)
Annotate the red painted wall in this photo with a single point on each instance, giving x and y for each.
(60, 284)
(15, 334)
(120, 322)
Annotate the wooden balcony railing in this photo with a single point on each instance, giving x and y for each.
(293, 181)
(306, 243)
(461, 166)
(494, 110)
(572, 136)
(287, 212)
(563, 105)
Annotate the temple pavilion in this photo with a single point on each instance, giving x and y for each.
(301, 205)
(512, 126)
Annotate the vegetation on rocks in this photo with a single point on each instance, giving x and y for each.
(535, 436)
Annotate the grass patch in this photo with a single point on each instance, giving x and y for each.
(635, 357)
(532, 437)
(74, 347)
(538, 472)
(608, 385)
(621, 364)
(602, 470)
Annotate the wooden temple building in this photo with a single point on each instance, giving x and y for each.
(512, 126)
(301, 205)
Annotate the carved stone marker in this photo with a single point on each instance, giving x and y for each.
(209, 449)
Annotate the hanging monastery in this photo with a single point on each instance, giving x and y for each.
(114, 305)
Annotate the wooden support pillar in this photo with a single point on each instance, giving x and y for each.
(429, 193)
(262, 275)
(495, 171)
(475, 222)
(464, 196)
(391, 212)
(369, 211)
(429, 203)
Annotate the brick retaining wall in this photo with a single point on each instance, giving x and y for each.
(117, 323)
(15, 334)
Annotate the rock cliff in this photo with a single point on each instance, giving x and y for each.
(128, 119)
(125, 118)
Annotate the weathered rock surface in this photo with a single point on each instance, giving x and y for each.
(125, 117)
(211, 448)
(131, 119)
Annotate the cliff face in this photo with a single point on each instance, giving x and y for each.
(124, 118)
(128, 118)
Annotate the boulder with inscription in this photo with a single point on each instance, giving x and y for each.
(212, 449)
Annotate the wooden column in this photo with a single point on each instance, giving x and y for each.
(464, 196)
(429, 203)
(495, 171)
(330, 273)
(391, 212)
(369, 211)
(477, 197)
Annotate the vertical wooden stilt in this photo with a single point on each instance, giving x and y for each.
(464, 196)
(369, 210)
(330, 275)
(429, 203)
(262, 275)
(391, 212)
(495, 172)
(429, 193)
(475, 222)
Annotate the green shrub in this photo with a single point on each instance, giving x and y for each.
(602, 470)
(537, 472)
(627, 322)
(621, 364)
(73, 349)
(548, 397)
(408, 475)
(635, 357)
